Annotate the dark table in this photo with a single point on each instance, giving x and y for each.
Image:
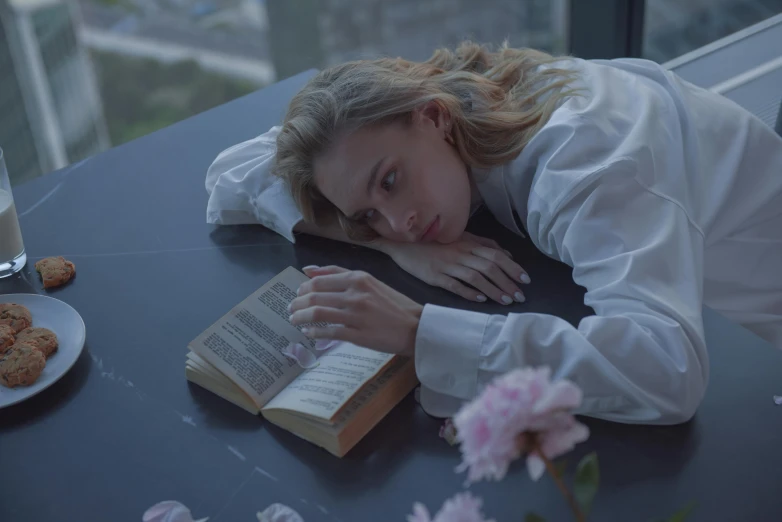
(124, 429)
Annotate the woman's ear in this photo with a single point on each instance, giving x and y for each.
(437, 114)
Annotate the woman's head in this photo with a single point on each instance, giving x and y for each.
(386, 146)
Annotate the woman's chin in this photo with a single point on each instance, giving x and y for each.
(449, 236)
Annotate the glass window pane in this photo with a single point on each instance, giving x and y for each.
(315, 33)
(115, 70)
(67, 75)
(673, 28)
(16, 134)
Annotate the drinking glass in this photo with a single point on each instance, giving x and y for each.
(12, 255)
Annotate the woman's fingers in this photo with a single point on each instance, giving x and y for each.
(496, 275)
(321, 314)
(330, 299)
(314, 270)
(333, 281)
(514, 271)
(334, 333)
(454, 286)
(486, 242)
(478, 281)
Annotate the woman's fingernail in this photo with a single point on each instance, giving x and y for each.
(481, 298)
(525, 278)
(310, 267)
(519, 297)
(290, 305)
(509, 254)
(506, 299)
(305, 331)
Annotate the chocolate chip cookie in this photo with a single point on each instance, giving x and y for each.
(6, 338)
(55, 271)
(43, 339)
(21, 365)
(16, 316)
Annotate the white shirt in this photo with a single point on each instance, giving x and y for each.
(662, 196)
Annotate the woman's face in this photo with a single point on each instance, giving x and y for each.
(407, 182)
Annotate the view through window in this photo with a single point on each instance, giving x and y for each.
(675, 27)
(80, 76)
(85, 75)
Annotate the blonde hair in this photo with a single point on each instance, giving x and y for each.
(497, 101)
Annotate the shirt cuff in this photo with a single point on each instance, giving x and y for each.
(276, 210)
(439, 405)
(448, 348)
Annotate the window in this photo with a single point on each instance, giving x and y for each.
(673, 28)
(116, 70)
(16, 134)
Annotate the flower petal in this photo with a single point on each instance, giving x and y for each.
(556, 443)
(462, 507)
(561, 395)
(420, 514)
(535, 466)
(279, 513)
(322, 345)
(168, 511)
(301, 355)
(448, 432)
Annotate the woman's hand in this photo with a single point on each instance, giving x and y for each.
(359, 309)
(477, 261)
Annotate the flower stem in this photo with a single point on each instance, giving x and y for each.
(561, 485)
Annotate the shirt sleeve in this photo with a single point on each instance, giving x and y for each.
(641, 359)
(243, 190)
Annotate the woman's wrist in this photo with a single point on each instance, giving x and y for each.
(381, 245)
(418, 311)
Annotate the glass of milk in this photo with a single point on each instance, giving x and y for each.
(12, 256)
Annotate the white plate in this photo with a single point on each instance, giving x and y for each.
(67, 325)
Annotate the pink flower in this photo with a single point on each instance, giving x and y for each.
(521, 401)
(463, 507)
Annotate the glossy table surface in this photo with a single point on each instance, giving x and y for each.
(124, 429)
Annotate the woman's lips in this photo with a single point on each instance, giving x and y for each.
(432, 230)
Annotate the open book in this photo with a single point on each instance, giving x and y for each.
(333, 404)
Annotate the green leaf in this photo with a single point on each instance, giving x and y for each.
(586, 482)
(682, 514)
(534, 517)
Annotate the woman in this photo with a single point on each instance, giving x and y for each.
(661, 196)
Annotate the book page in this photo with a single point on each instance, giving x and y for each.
(246, 344)
(373, 388)
(322, 391)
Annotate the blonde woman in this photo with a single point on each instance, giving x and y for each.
(662, 196)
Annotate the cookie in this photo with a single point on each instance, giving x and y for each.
(21, 365)
(6, 338)
(55, 271)
(16, 316)
(41, 338)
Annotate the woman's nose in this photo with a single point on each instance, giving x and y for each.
(403, 222)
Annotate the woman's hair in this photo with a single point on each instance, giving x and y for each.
(497, 101)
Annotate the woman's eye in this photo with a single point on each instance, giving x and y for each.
(388, 180)
(369, 215)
